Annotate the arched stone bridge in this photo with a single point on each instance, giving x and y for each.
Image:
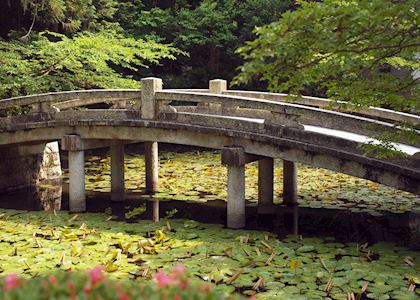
(245, 126)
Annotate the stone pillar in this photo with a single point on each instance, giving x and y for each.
(289, 183)
(152, 166)
(265, 185)
(117, 172)
(236, 197)
(233, 157)
(77, 196)
(149, 86)
(217, 86)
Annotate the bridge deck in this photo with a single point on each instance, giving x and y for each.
(245, 125)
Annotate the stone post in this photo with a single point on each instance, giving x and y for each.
(289, 183)
(233, 158)
(265, 185)
(217, 86)
(149, 111)
(117, 172)
(152, 165)
(77, 181)
(77, 196)
(43, 107)
(149, 86)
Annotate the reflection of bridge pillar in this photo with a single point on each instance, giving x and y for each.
(233, 158)
(77, 196)
(155, 215)
(117, 172)
(289, 183)
(152, 165)
(265, 185)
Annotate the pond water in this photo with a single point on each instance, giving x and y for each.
(346, 234)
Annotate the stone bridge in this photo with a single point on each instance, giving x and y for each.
(245, 126)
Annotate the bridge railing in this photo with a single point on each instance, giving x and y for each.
(53, 102)
(274, 109)
(380, 113)
(273, 112)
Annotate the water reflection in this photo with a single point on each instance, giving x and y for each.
(45, 196)
(341, 225)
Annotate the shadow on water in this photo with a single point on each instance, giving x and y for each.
(344, 226)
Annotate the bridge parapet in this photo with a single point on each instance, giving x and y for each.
(53, 102)
(278, 113)
(265, 125)
(274, 109)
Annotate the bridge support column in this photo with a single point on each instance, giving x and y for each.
(77, 195)
(236, 196)
(265, 185)
(152, 165)
(289, 183)
(235, 159)
(117, 172)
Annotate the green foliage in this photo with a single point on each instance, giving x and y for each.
(209, 30)
(70, 15)
(135, 212)
(351, 49)
(54, 62)
(34, 244)
(206, 25)
(95, 285)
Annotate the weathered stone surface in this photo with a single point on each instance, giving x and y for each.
(71, 95)
(267, 139)
(217, 86)
(152, 166)
(117, 172)
(149, 107)
(29, 166)
(235, 156)
(77, 194)
(307, 115)
(380, 113)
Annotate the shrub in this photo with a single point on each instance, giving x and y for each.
(95, 285)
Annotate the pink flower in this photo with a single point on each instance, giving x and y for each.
(52, 280)
(179, 269)
(124, 297)
(162, 279)
(96, 275)
(12, 282)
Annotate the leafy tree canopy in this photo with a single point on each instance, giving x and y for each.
(87, 60)
(83, 53)
(354, 50)
(209, 30)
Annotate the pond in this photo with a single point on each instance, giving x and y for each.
(348, 235)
